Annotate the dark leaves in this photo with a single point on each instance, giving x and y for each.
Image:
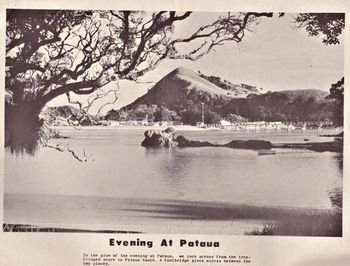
(328, 26)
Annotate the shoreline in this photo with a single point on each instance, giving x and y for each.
(329, 132)
(60, 213)
(177, 128)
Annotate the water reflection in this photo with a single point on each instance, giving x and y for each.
(336, 195)
(122, 168)
(336, 198)
(171, 169)
(339, 158)
(178, 186)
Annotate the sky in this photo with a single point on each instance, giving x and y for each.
(275, 56)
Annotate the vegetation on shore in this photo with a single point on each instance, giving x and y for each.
(327, 223)
(184, 95)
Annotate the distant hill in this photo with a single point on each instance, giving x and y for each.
(291, 105)
(183, 91)
(236, 90)
(182, 88)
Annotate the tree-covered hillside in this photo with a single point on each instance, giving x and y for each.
(296, 105)
(184, 93)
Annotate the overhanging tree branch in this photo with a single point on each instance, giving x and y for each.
(78, 54)
(55, 52)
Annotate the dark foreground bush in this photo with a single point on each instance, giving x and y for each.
(328, 223)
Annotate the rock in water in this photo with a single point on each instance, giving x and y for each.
(183, 142)
(250, 144)
(156, 139)
(166, 138)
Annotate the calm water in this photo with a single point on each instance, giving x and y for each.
(123, 169)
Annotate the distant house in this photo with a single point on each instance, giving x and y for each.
(224, 123)
(200, 124)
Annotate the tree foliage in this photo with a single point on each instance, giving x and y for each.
(50, 53)
(164, 114)
(56, 52)
(291, 106)
(328, 26)
(337, 93)
(192, 116)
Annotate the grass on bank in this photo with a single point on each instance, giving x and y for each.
(319, 224)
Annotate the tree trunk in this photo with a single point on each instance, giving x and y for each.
(23, 127)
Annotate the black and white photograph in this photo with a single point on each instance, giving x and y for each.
(174, 122)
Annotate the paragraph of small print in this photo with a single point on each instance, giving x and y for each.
(105, 259)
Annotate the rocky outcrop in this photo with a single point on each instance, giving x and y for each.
(155, 138)
(165, 138)
(183, 142)
(250, 144)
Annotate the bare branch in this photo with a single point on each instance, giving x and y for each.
(78, 51)
(114, 100)
(61, 148)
